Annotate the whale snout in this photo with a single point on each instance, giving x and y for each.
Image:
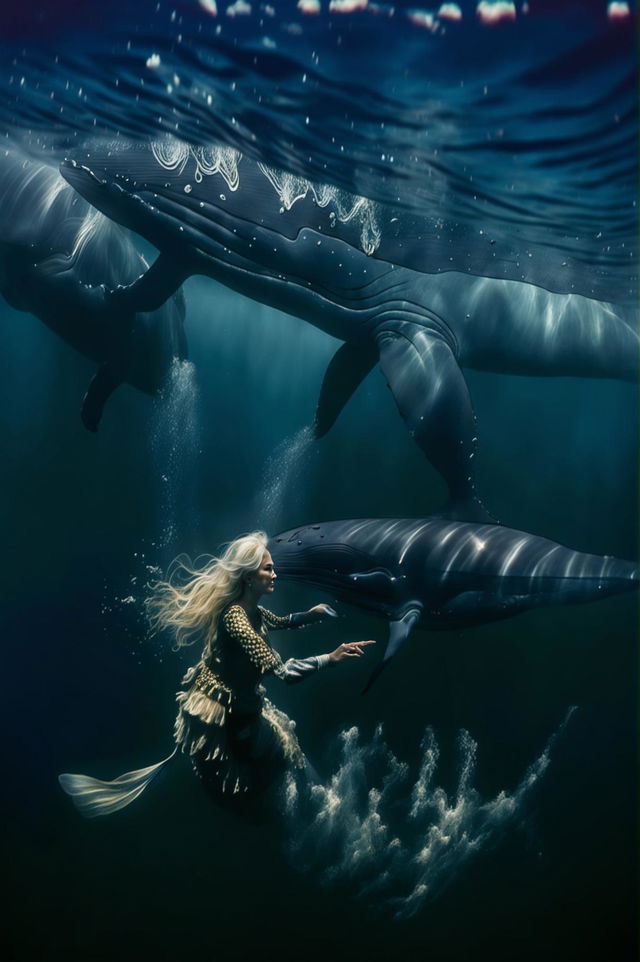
(100, 192)
(79, 175)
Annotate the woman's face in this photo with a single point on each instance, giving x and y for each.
(265, 577)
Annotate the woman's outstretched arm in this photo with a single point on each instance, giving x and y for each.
(262, 655)
(297, 669)
(298, 619)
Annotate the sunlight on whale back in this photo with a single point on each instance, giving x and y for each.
(64, 230)
(175, 442)
(400, 839)
(103, 252)
(53, 209)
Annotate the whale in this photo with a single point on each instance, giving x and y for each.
(439, 574)
(66, 264)
(313, 252)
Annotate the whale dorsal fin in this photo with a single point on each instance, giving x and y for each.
(399, 631)
(150, 291)
(100, 389)
(347, 369)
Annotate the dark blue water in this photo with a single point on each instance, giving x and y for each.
(493, 141)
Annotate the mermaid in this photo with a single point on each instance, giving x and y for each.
(238, 742)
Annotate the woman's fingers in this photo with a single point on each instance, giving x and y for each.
(354, 648)
(350, 649)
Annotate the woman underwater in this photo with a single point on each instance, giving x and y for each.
(239, 743)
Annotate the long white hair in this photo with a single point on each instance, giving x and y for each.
(192, 599)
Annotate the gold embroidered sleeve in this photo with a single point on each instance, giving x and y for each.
(241, 631)
(298, 619)
(275, 621)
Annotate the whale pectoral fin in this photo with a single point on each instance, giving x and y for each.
(153, 288)
(480, 607)
(100, 389)
(399, 631)
(432, 397)
(347, 369)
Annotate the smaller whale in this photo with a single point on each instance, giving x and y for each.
(62, 261)
(438, 575)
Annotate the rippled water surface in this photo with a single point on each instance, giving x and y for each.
(498, 135)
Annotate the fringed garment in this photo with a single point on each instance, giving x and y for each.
(238, 740)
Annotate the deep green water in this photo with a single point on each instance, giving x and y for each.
(174, 878)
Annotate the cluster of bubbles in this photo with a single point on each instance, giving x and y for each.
(176, 446)
(282, 483)
(175, 441)
(390, 832)
(123, 610)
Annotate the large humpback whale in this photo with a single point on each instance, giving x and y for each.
(62, 261)
(440, 574)
(311, 251)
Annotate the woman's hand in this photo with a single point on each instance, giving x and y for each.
(323, 611)
(350, 649)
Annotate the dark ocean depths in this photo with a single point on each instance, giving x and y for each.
(500, 132)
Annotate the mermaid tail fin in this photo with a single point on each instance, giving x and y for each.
(93, 797)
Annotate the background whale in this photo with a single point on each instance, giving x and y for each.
(307, 250)
(63, 261)
(440, 575)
